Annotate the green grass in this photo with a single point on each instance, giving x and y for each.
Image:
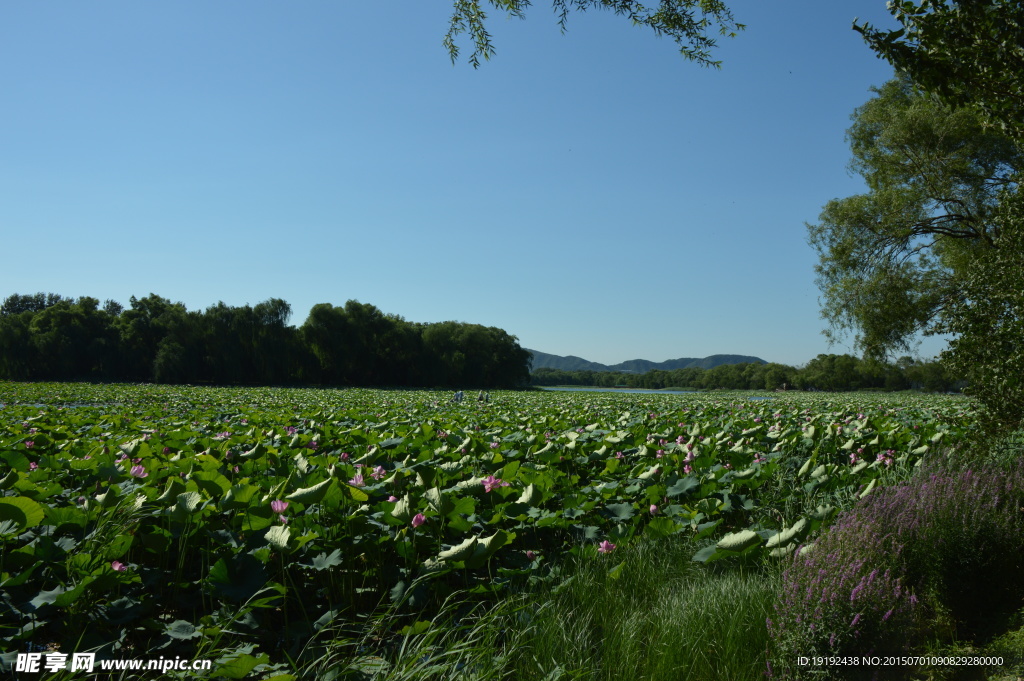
(647, 612)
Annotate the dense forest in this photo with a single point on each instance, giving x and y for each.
(49, 337)
(824, 372)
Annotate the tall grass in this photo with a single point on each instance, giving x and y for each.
(647, 612)
(642, 612)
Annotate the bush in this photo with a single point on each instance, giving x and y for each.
(940, 556)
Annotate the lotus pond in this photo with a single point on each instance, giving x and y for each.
(144, 520)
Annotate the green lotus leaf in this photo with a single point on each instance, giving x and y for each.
(682, 486)
(175, 487)
(312, 495)
(188, 502)
(256, 452)
(403, 509)
(739, 541)
(790, 534)
(109, 498)
(662, 527)
(438, 501)
(277, 536)
(620, 512)
(182, 630)
(21, 510)
(238, 496)
(212, 482)
(8, 480)
(241, 667)
(870, 487)
(323, 561)
(460, 551)
(531, 496)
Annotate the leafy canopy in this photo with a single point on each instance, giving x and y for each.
(690, 23)
(968, 53)
(891, 260)
(987, 319)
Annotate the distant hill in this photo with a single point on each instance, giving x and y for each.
(542, 360)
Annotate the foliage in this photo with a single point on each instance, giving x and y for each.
(824, 372)
(969, 53)
(941, 553)
(988, 322)
(646, 612)
(46, 337)
(971, 56)
(687, 22)
(891, 261)
(261, 516)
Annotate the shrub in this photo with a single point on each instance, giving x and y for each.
(938, 556)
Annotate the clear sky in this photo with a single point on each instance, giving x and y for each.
(592, 193)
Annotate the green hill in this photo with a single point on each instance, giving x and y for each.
(542, 360)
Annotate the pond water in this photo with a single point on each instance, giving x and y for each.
(649, 391)
(580, 389)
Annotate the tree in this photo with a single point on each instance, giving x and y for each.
(73, 340)
(967, 52)
(17, 303)
(891, 261)
(142, 328)
(690, 23)
(988, 322)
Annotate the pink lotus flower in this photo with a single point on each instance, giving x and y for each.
(118, 565)
(30, 444)
(278, 506)
(392, 498)
(606, 547)
(344, 456)
(654, 509)
(531, 555)
(378, 473)
(284, 520)
(32, 466)
(418, 519)
(492, 483)
(139, 471)
(357, 481)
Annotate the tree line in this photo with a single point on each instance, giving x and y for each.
(824, 372)
(45, 336)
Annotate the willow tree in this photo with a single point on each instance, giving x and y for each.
(892, 260)
(692, 24)
(967, 52)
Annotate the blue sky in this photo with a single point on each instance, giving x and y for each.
(592, 193)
